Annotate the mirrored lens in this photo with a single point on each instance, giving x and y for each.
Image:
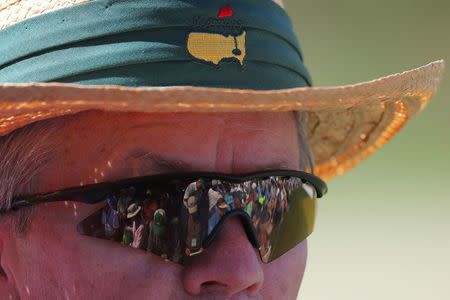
(296, 225)
(172, 219)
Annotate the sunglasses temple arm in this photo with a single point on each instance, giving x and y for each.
(31, 201)
(81, 194)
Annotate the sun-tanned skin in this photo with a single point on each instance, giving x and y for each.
(53, 261)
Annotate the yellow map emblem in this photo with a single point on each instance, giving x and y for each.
(214, 47)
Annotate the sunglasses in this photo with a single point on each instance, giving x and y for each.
(177, 216)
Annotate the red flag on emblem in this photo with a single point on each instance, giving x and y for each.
(225, 11)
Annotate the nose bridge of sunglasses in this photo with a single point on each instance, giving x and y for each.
(245, 221)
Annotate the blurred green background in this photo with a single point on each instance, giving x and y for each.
(382, 232)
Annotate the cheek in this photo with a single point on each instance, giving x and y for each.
(283, 277)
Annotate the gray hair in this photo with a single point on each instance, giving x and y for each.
(24, 154)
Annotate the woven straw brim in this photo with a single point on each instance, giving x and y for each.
(345, 125)
(15, 11)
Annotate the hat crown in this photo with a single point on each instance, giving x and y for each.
(243, 44)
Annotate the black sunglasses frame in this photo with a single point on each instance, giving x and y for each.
(94, 193)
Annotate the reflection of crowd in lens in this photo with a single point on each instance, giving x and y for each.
(151, 219)
(146, 221)
(265, 201)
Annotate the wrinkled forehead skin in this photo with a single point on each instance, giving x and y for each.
(96, 146)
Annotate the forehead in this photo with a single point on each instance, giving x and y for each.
(95, 146)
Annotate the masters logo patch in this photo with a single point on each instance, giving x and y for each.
(217, 39)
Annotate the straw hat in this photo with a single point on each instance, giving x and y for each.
(255, 55)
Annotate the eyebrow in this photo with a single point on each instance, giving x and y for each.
(277, 165)
(151, 162)
(160, 163)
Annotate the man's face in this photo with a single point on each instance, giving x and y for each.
(53, 261)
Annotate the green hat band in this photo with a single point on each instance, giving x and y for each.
(216, 43)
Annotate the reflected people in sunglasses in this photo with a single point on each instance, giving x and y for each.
(155, 222)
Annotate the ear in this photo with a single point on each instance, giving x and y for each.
(8, 288)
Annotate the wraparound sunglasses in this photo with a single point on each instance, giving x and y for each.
(176, 216)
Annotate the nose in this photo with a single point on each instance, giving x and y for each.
(229, 266)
